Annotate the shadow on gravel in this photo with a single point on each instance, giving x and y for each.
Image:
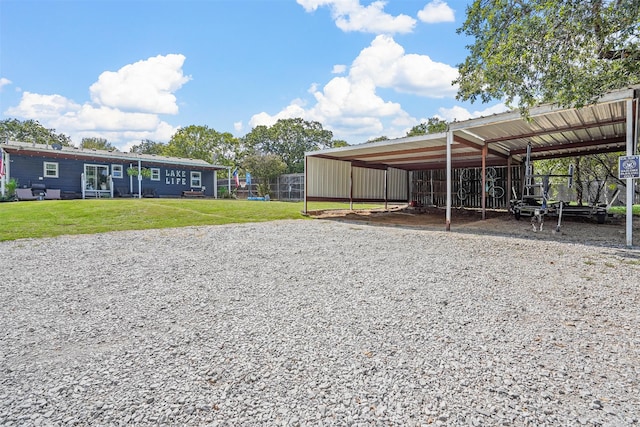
(499, 223)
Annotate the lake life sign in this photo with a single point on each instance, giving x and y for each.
(175, 177)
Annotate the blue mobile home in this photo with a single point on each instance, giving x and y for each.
(83, 173)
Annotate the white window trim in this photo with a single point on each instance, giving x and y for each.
(193, 174)
(45, 170)
(155, 174)
(117, 171)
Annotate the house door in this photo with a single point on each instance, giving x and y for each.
(96, 177)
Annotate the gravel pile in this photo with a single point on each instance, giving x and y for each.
(317, 323)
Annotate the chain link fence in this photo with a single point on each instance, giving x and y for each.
(289, 187)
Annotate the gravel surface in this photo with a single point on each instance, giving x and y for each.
(317, 323)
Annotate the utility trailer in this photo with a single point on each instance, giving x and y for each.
(535, 202)
(537, 211)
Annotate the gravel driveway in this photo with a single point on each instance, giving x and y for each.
(317, 323)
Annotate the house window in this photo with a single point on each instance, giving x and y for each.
(196, 179)
(155, 174)
(116, 171)
(50, 169)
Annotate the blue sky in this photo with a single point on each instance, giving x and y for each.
(133, 70)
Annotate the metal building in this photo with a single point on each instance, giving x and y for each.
(382, 171)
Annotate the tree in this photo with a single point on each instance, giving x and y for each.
(433, 125)
(97, 143)
(289, 139)
(31, 131)
(339, 143)
(147, 146)
(377, 139)
(565, 52)
(264, 167)
(592, 174)
(201, 142)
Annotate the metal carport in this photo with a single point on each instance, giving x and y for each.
(379, 172)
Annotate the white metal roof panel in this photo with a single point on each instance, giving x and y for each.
(552, 132)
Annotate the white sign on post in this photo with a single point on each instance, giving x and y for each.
(629, 167)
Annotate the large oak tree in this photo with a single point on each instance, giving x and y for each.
(432, 125)
(97, 143)
(289, 139)
(566, 52)
(202, 142)
(31, 131)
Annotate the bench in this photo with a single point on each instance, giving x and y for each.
(52, 194)
(25, 194)
(193, 193)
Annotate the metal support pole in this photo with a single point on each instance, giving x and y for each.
(630, 181)
(409, 186)
(139, 179)
(386, 188)
(306, 172)
(3, 175)
(215, 184)
(448, 214)
(350, 186)
(485, 151)
(509, 181)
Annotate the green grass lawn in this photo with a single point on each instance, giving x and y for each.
(621, 210)
(57, 217)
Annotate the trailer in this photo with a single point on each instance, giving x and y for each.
(535, 203)
(537, 211)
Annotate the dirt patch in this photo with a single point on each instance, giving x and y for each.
(572, 229)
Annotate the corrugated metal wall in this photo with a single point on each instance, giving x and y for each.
(397, 184)
(331, 179)
(328, 178)
(368, 183)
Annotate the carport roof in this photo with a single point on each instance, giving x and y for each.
(552, 131)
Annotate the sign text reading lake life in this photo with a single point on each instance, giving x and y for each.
(175, 177)
(628, 167)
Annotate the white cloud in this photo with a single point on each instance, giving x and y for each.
(125, 104)
(386, 63)
(42, 107)
(350, 15)
(146, 86)
(295, 109)
(339, 69)
(435, 12)
(4, 82)
(80, 121)
(107, 119)
(350, 105)
(238, 126)
(458, 113)
(312, 5)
